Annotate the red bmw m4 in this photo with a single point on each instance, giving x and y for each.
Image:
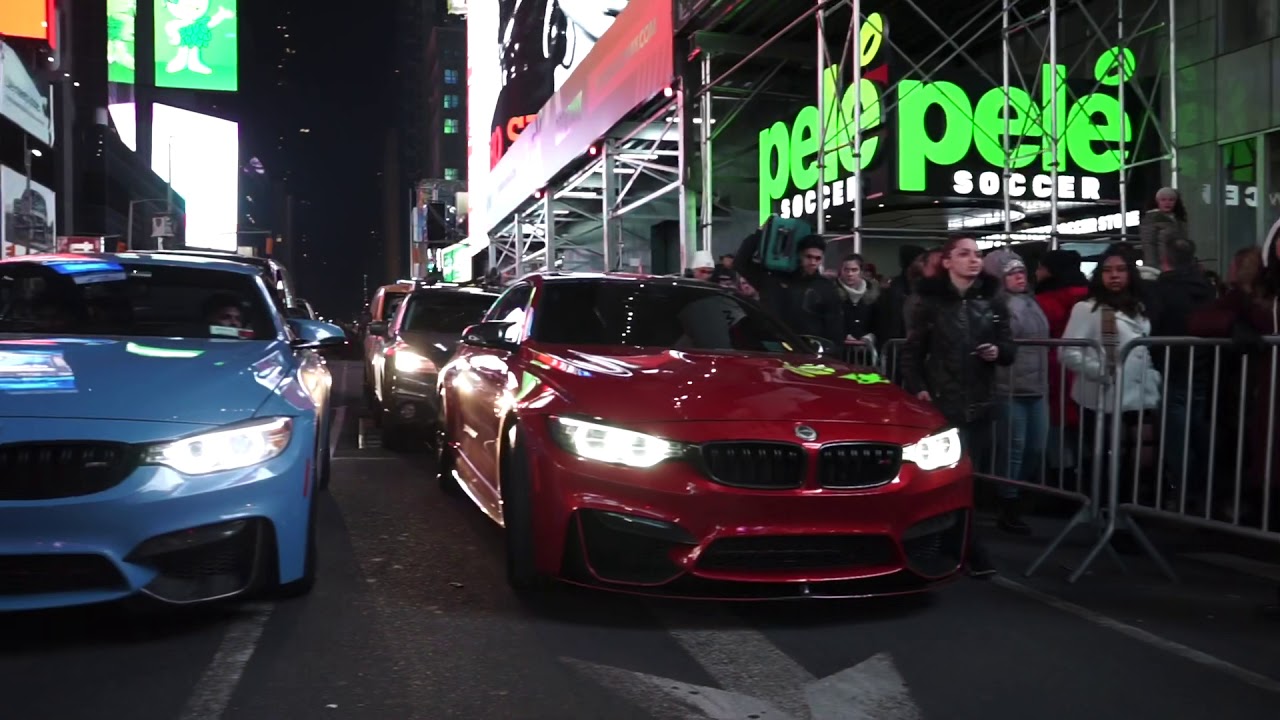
(664, 436)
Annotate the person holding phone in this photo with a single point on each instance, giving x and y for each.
(959, 334)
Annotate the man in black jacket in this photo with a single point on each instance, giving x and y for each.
(805, 301)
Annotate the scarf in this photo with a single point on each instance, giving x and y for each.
(855, 296)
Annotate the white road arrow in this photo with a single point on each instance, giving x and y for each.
(760, 682)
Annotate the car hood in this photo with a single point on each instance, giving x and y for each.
(208, 382)
(438, 346)
(658, 386)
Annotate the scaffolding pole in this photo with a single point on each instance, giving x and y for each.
(855, 30)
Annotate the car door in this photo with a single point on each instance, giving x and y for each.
(481, 402)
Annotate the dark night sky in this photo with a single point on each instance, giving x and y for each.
(335, 83)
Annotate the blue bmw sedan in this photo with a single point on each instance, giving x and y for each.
(163, 432)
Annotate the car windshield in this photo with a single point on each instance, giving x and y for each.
(445, 312)
(655, 314)
(391, 303)
(87, 296)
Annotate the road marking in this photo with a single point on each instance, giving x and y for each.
(757, 680)
(1199, 657)
(213, 692)
(1247, 566)
(363, 458)
(335, 432)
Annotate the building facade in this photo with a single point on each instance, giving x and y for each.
(446, 110)
(1228, 120)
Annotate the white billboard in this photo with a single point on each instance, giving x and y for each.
(204, 153)
(30, 212)
(24, 100)
(519, 53)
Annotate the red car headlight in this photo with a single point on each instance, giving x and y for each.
(936, 451)
(613, 445)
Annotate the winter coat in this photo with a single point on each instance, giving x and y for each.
(1029, 374)
(1157, 231)
(1057, 299)
(809, 305)
(940, 353)
(1141, 389)
(860, 317)
(1178, 294)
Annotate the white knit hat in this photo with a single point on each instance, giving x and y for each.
(702, 259)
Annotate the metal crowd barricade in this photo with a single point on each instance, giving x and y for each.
(1148, 499)
(890, 355)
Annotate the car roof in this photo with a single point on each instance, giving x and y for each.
(260, 262)
(619, 278)
(156, 259)
(448, 290)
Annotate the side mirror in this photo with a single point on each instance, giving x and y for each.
(297, 312)
(819, 345)
(491, 335)
(316, 335)
(378, 328)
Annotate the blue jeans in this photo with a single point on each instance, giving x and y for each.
(1021, 436)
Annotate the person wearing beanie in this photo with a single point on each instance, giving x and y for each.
(1022, 390)
(702, 265)
(804, 300)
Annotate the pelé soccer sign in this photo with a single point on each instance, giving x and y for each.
(944, 139)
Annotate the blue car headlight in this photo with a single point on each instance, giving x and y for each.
(936, 451)
(225, 449)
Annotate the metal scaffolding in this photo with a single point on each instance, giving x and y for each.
(670, 155)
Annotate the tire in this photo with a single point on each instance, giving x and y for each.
(517, 518)
(396, 436)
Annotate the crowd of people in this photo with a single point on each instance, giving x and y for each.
(974, 334)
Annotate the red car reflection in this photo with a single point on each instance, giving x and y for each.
(662, 436)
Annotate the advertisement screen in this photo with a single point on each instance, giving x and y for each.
(24, 97)
(518, 55)
(27, 19)
(203, 152)
(124, 117)
(120, 40)
(29, 215)
(196, 44)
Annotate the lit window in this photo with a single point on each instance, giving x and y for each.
(451, 174)
(450, 126)
(450, 76)
(450, 102)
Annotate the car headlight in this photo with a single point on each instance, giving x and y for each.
(408, 361)
(935, 451)
(227, 449)
(607, 444)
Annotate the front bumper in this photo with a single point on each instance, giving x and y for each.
(411, 399)
(175, 539)
(672, 531)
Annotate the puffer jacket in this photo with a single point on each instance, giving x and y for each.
(940, 353)
(1029, 374)
(1094, 385)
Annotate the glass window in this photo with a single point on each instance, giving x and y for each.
(95, 297)
(1271, 186)
(445, 312)
(512, 307)
(450, 102)
(451, 174)
(1246, 23)
(450, 126)
(450, 76)
(1239, 195)
(656, 314)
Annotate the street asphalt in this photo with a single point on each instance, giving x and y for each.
(412, 619)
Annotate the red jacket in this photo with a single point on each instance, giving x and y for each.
(1057, 304)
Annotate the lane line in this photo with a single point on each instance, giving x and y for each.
(357, 458)
(335, 432)
(1199, 657)
(745, 662)
(212, 694)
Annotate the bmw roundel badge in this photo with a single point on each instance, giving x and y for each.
(806, 433)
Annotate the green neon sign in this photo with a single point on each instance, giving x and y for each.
(121, 15)
(1089, 128)
(197, 44)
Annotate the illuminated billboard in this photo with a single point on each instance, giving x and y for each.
(121, 44)
(124, 117)
(518, 55)
(196, 44)
(28, 19)
(30, 212)
(204, 153)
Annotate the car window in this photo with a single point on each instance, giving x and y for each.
(96, 297)
(445, 312)
(512, 307)
(656, 314)
(391, 303)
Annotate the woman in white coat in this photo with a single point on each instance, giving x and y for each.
(1113, 315)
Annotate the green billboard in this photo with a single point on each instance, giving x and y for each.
(120, 40)
(196, 45)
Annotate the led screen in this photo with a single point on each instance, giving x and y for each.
(124, 117)
(518, 55)
(204, 151)
(29, 215)
(196, 44)
(27, 19)
(120, 40)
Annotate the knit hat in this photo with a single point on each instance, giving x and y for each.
(1002, 263)
(702, 259)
